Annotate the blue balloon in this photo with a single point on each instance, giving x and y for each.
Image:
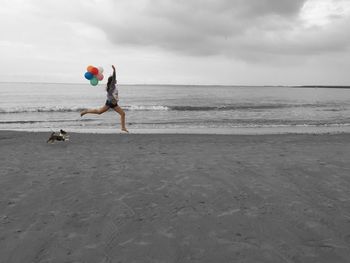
(88, 75)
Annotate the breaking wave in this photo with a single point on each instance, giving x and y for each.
(165, 108)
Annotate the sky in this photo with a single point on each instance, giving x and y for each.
(197, 42)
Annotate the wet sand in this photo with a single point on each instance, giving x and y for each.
(174, 198)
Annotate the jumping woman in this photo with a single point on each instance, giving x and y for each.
(111, 102)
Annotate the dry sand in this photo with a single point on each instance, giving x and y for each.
(174, 198)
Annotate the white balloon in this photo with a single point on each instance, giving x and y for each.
(100, 70)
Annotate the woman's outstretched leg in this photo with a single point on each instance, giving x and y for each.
(95, 111)
(122, 117)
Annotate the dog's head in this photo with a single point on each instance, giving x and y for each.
(63, 132)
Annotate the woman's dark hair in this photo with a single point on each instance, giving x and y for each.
(110, 78)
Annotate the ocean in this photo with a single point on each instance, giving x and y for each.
(176, 108)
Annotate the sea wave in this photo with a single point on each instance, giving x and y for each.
(43, 121)
(239, 107)
(191, 122)
(146, 108)
(251, 107)
(78, 109)
(40, 109)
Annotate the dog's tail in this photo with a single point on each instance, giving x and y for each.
(50, 138)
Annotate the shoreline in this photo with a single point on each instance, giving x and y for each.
(335, 129)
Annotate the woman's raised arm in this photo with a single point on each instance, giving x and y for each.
(114, 76)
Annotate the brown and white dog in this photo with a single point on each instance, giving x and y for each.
(58, 136)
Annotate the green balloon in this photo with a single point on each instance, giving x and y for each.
(94, 81)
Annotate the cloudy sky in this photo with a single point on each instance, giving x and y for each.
(227, 42)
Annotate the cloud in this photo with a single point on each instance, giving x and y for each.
(249, 30)
(198, 27)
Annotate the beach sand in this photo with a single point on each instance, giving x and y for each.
(174, 198)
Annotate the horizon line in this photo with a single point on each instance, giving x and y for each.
(210, 85)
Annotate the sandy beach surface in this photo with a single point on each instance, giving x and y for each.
(174, 198)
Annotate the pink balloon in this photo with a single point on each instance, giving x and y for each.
(99, 76)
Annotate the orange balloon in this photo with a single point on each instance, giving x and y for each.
(89, 68)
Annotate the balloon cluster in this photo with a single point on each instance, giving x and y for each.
(94, 74)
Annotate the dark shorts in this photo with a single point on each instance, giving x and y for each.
(111, 104)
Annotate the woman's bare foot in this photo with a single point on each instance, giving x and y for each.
(125, 130)
(82, 113)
